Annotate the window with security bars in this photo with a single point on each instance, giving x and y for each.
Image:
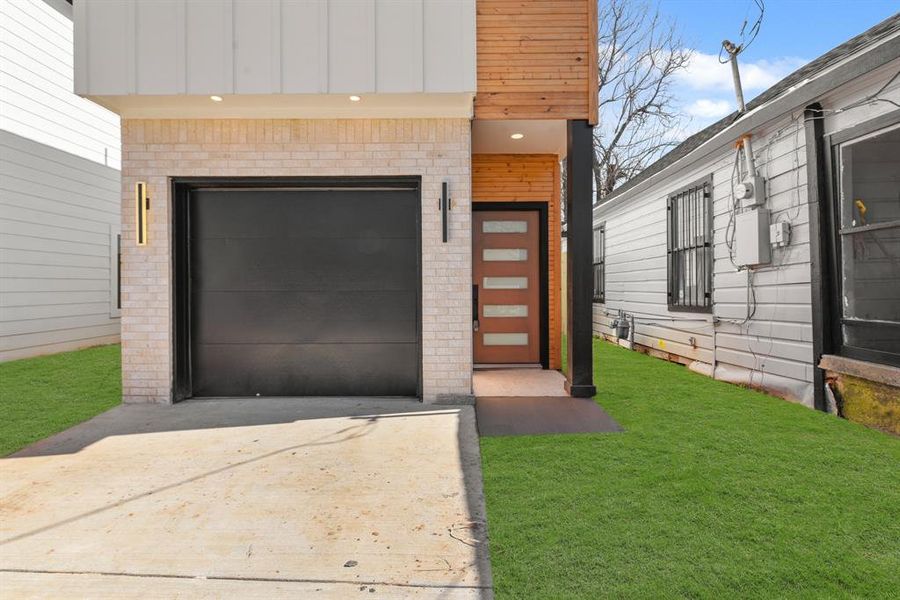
(690, 248)
(600, 263)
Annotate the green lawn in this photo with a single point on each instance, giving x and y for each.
(713, 491)
(44, 395)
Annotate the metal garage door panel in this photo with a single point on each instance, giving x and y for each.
(298, 317)
(306, 370)
(324, 214)
(299, 293)
(338, 264)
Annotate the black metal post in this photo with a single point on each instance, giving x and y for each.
(579, 277)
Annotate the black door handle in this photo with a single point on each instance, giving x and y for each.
(475, 307)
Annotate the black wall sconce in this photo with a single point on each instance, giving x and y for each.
(142, 208)
(445, 204)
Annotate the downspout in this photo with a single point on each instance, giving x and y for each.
(821, 255)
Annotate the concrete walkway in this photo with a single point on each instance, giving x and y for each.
(264, 498)
(518, 383)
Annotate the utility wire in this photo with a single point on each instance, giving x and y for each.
(754, 30)
(746, 33)
(873, 98)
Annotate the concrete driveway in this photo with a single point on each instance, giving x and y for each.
(263, 498)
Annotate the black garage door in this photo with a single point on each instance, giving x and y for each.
(304, 292)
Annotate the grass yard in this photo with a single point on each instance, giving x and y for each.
(713, 491)
(45, 395)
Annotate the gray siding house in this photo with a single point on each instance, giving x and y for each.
(59, 191)
(796, 292)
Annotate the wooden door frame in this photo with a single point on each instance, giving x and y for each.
(543, 266)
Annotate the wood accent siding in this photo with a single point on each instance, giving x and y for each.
(528, 178)
(536, 59)
(593, 65)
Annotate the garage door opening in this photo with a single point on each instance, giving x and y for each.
(297, 287)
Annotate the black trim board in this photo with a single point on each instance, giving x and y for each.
(181, 189)
(544, 261)
(181, 290)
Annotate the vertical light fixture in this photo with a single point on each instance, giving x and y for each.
(445, 204)
(142, 207)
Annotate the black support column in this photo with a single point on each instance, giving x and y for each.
(579, 272)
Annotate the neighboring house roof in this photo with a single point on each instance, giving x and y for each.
(870, 37)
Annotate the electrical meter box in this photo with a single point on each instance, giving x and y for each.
(751, 238)
(780, 234)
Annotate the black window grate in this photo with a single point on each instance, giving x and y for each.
(690, 248)
(600, 263)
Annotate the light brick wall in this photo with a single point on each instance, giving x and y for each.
(157, 150)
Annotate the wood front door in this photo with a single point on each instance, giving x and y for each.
(506, 286)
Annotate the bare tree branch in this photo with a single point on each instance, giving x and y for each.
(640, 53)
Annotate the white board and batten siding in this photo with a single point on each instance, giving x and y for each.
(59, 192)
(175, 47)
(774, 350)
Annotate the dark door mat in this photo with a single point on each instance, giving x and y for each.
(502, 415)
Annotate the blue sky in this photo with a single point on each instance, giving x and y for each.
(793, 33)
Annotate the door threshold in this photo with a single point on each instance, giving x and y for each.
(482, 366)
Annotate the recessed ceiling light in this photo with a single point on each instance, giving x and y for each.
(517, 136)
(355, 98)
(216, 98)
